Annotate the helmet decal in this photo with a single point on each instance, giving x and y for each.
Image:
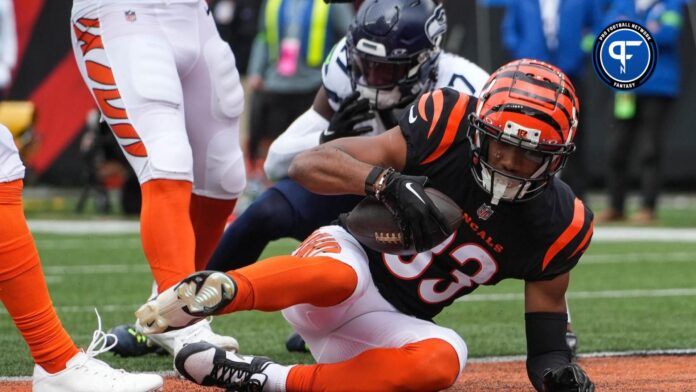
(436, 26)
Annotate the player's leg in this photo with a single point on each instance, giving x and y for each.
(318, 273)
(213, 101)
(284, 210)
(60, 366)
(130, 68)
(23, 289)
(269, 217)
(619, 145)
(361, 342)
(651, 133)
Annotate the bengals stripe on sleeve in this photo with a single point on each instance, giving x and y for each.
(567, 248)
(434, 123)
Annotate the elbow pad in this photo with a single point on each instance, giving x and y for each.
(301, 135)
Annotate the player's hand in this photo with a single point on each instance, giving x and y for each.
(417, 215)
(352, 111)
(566, 379)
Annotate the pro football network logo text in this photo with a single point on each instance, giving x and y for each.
(624, 55)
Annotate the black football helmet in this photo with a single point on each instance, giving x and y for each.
(393, 49)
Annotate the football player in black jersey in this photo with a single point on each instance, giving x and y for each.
(366, 316)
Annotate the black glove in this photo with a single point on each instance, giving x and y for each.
(568, 378)
(352, 111)
(417, 215)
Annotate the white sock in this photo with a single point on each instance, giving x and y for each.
(277, 376)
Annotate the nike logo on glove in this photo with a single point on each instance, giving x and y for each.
(409, 186)
(412, 117)
(328, 132)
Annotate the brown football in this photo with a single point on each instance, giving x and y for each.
(371, 223)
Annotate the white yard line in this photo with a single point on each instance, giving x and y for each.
(467, 298)
(601, 234)
(585, 295)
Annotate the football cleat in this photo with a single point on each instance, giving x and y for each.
(85, 373)
(173, 341)
(193, 299)
(129, 342)
(208, 365)
(296, 344)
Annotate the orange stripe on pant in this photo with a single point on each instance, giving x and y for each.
(23, 288)
(428, 365)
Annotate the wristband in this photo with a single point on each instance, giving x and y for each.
(371, 180)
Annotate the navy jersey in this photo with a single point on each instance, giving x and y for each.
(534, 240)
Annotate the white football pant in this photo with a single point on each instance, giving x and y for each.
(167, 85)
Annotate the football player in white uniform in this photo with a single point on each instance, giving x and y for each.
(167, 85)
(59, 365)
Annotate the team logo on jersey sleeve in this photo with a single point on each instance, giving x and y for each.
(624, 55)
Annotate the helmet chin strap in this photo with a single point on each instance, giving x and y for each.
(504, 188)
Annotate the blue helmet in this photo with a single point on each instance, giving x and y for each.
(393, 49)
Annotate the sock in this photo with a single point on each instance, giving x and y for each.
(277, 377)
(166, 231)
(427, 365)
(280, 282)
(208, 217)
(23, 288)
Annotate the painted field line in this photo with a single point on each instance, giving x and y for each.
(585, 295)
(467, 298)
(660, 257)
(101, 243)
(96, 269)
(601, 234)
(84, 227)
(604, 258)
(509, 358)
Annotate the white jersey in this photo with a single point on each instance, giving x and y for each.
(11, 167)
(453, 71)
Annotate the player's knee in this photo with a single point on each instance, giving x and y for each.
(447, 353)
(342, 280)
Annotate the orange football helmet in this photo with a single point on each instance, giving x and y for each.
(531, 105)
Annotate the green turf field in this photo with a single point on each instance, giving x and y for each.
(623, 296)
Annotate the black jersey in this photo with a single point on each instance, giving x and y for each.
(534, 240)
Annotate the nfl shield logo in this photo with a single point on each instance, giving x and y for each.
(484, 212)
(130, 16)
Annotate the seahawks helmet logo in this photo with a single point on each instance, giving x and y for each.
(436, 26)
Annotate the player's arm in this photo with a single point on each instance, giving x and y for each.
(343, 165)
(549, 364)
(301, 135)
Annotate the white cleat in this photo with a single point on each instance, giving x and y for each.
(84, 373)
(194, 298)
(173, 341)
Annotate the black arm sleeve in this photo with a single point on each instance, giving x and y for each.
(546, 344)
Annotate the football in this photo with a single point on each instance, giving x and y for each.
(371, 223)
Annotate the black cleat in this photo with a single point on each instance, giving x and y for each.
(208, 365)
(295, 344)
(131, 343)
